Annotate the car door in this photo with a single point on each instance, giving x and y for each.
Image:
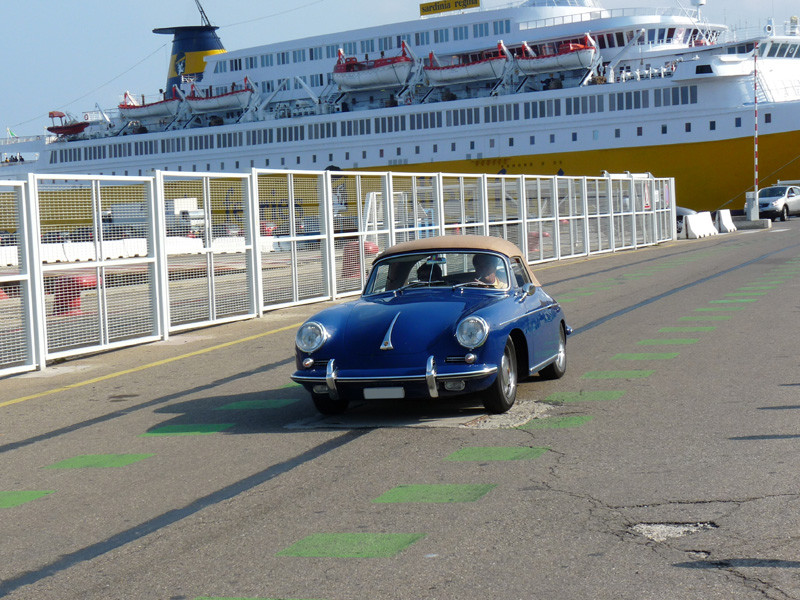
(793, 199)
(541, 324)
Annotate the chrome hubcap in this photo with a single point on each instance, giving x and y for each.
(508, 375)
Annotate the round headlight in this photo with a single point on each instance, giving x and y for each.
(311, 336)
(472, 332)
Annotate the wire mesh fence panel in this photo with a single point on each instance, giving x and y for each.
(463, 204)
(73, 308)
(131, 301)
(541, 219)
(189, 289)
(277, 275)
(415, 207)
(231, 285)
(16, 328)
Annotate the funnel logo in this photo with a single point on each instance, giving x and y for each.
(180, 64)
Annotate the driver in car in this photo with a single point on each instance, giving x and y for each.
(486, 271)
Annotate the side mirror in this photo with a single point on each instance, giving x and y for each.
(528, 289)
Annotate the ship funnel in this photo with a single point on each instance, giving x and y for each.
(190, 46)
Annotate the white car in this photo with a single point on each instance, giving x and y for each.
(779, 201)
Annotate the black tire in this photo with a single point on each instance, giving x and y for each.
(328, 406)
(785, 213)
(501, 395)
(557, 368)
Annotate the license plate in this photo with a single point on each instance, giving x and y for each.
(383, 393)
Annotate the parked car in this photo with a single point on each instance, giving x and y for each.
(779, 201)
(439, 316)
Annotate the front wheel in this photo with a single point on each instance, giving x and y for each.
(501, 395)
(327, 405)
(557, 368)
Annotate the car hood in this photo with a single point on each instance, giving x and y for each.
(411, 323)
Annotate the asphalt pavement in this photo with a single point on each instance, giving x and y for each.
(662, 466)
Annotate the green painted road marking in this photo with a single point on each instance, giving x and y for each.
(638, 374)
(758, 287)
(734, 300)
(99, 461)
(189, 429)
(258, 404)
(706, 318)
(12, 499)
(583, 396)
(352, 545)
(290, 385)
(645, 356)
(438, 493)
(227, 598)
(565, 300)
(634, 275)
(493, 453)
(685, 329)
(556, 422)
(669, 342)
(753, 293)
(576, 293)
(715, 308)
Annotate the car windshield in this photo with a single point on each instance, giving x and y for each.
(451, 269)
(772, 192)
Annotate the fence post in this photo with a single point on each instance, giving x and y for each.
(439, 213)
(329, 241)
(253, 223)
(485, 203)
(157, 205)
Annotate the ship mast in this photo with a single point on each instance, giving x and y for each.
(203, 16)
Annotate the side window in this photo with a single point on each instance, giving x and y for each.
(520, 272)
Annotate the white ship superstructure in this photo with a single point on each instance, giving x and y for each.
(545, 87)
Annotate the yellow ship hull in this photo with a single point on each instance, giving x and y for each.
(708, 175)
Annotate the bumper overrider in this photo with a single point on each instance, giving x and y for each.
(432, 380)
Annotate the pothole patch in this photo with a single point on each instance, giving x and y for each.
(661, 532)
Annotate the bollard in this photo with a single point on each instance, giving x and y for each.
(68, 290)
(351, 261)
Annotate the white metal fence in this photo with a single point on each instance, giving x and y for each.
(89, 263)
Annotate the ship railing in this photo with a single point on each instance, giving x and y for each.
(10, 141)
(607, 14)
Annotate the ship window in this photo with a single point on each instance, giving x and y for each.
(331, 51)
(452, 147)
(472, 145)
(574, 136)
(385, 43)
(688, 127)
(610, 39)
(552, 138)
(435, 148)
(639, 131)
(380, 153)
(416, 149)
(422, 38)
(283, 58)
(601, 41)
(491, 143)
(267, 60)
(501, 27)
(510, 142)
(620, 39)
(617, 133)
(315, 53)
(441, 36)
(533, 140)
(398, 151)
(712, 125)
(460, 33)
(703, 69)
(367, 46)
(768, 118)
(663, 130)
(480, 30)
(738, 121)
(773, 50)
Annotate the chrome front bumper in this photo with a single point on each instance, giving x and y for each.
(431, 377)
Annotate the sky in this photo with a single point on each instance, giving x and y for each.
(70, 55)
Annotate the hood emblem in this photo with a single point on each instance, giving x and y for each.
(386, 344)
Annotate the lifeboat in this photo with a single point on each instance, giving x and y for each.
(69, 127)
(352, 74)
(233, 100)
(474, 67)
(131, 109)
(568, 56)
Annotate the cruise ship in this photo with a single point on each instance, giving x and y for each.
(546, 87)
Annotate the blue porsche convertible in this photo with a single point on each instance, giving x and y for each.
(439, 316)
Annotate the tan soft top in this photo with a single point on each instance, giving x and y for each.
(460, 242)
